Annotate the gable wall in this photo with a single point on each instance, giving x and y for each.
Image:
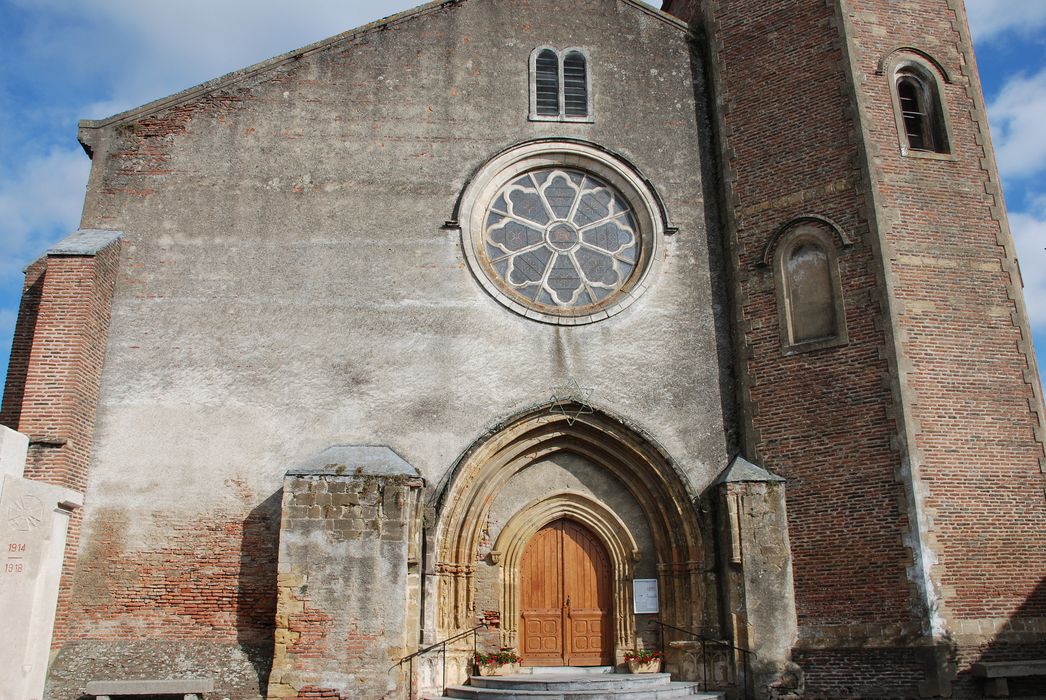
(286, 285)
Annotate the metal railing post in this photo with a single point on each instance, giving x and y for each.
(442, 647)
(743, 684)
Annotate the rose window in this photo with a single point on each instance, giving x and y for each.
(560, 241)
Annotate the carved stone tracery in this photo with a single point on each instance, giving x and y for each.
(628, 457)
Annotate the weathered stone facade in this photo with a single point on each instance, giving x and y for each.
(306, 260)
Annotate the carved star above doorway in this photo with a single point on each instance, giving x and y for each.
(571, 401)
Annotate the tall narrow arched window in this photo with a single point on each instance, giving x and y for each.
(546, 83)
(575, 85)
(915, 113)
(921, 124)
(809, 293)
(810, 303)
(560, 85)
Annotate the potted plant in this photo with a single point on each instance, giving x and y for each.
(504, 662)
(644, 661)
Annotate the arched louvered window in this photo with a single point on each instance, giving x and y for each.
(915, 114)
(575, 85)
(920, 116)
(546, 83)
(560, 85)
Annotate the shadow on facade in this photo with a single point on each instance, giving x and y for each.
(1022, 639)
(18, 368)
(256, 594)
(719, 264)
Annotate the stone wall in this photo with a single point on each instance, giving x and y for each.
(757, 588)
(348, 584)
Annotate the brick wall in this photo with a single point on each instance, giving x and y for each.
(22, 344)
(209, 587)
(914, 452)
(861, 673)
(51, 391)
(822, 419)
(972, 390)
(52, 388)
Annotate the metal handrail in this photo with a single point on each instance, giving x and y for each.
(746, 654)
(442, 646)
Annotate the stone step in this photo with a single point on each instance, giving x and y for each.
(652, 686)
(561, 682)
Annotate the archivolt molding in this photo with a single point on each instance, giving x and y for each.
(788, 226)
(645, 472)
(597, 517)
(886, 58)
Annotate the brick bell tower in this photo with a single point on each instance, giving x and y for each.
(882, 344)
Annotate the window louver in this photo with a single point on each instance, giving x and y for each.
(914, 114)
(575, 85)
(547, 83)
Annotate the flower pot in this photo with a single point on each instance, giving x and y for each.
(652, 666)
(502, 670)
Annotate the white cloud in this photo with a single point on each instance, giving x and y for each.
(39, 203)
(991, 19)
(1017, 115)
(152, 49)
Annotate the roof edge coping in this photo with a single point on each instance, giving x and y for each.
(742, 471)
(356, 460)
(85, 241)
(244, 73)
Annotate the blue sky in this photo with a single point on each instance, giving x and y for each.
(63, 60)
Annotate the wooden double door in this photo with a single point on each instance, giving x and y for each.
(566, 598)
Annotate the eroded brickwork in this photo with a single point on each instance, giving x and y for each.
(209, 588)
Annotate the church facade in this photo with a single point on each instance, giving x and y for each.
(575, 329)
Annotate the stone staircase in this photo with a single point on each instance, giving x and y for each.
(578, 686)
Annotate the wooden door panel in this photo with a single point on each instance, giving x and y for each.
(587, 639)
(543, 638)
(565, 591)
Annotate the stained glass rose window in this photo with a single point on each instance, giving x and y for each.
(561, 232)
(560, 239)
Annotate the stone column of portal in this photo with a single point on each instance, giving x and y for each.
(757, 574)
(34, 518)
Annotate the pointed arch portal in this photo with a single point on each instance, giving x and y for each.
(629, 459)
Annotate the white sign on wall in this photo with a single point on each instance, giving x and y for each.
(644, 596)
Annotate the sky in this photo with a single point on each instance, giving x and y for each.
(65, 60)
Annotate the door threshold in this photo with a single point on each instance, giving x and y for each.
(566, 670)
